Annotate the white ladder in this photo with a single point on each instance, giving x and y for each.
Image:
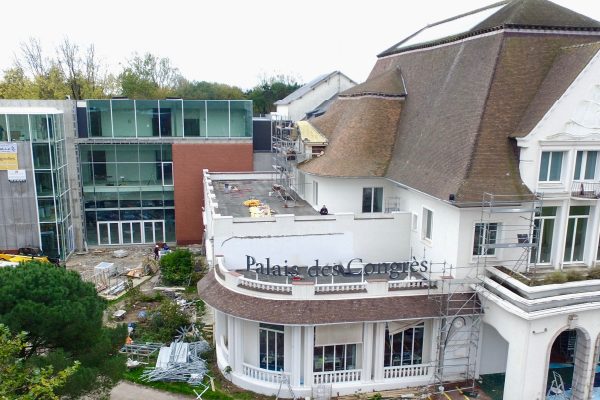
(284, 379)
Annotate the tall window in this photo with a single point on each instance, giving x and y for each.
(339, 357)
(404, 347)
(576, 230)
(551, 166)
(585, 165)
(271, 347)
(427, 224)
(485, 233)
(372, 200)
(316, 193)
(543, 231)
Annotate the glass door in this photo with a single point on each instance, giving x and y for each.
(108, 233)
(154, 231)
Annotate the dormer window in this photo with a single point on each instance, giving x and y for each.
(551, 166)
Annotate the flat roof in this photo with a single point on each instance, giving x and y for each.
(231, 194)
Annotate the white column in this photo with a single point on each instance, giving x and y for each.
(367, 352)
(296, 355)
(378, 351)
(231, 341)
(239, 346)
(309, 344)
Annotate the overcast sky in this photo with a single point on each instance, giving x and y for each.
(235, 41)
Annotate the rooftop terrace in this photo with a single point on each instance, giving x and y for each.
(231, 194)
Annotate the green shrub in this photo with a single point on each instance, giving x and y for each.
(573, 276)
(162, 323)
(594, 273)
(555, 277)
(177, 266)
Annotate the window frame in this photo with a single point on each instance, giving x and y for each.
(372, 195)
(540, 222)
(548, 172)
(577, 218)
(477, 249)
(388, 357)
(279, 334)
(345, 357)
(427, 224)
(583, 166)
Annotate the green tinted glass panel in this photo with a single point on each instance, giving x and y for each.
(99, 119)
(241, 118)
(194, 114)
(41, 156)
(19, 127)
(147, 118)
(123, 118)
(127, 153)
(3, 128)
(218, 118)
(171, 114)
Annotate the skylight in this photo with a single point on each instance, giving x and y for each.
(450, 28)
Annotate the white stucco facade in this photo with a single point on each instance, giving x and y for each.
(295, 107)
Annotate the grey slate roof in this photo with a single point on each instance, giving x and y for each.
(308, 87)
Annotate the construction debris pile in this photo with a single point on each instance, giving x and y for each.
(179, 362)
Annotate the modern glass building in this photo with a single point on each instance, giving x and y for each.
(120, 118)
(126, 161)
(40, 134)
(128, 193)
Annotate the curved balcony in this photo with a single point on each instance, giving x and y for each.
(303, 286)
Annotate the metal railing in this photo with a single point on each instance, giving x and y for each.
(586, 190)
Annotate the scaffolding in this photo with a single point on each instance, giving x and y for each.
(285, 156)
(505, 236)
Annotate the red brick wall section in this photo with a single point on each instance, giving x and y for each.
(188, 162)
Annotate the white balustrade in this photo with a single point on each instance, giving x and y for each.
(350, 375)
(406, 371)
(341, 287)
(408, 284)
(264, 375)
(264, 286)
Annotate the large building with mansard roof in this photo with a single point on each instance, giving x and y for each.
(462, 226)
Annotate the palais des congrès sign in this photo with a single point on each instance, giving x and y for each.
(394, 269)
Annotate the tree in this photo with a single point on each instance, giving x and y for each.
(149, 77)
(22, 380)
(269, 90)
(63, 318)
(208, 91)
(177, 266)
(80, 69)
(16, 85)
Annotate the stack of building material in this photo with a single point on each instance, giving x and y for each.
(179, 362)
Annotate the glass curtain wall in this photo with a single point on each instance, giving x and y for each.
(118, 118)
(46, 135)
(128, 193)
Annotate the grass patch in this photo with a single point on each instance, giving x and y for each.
(134, 375)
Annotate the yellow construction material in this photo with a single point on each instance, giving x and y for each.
(309, 133)
(251, 203)
(19, 258)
